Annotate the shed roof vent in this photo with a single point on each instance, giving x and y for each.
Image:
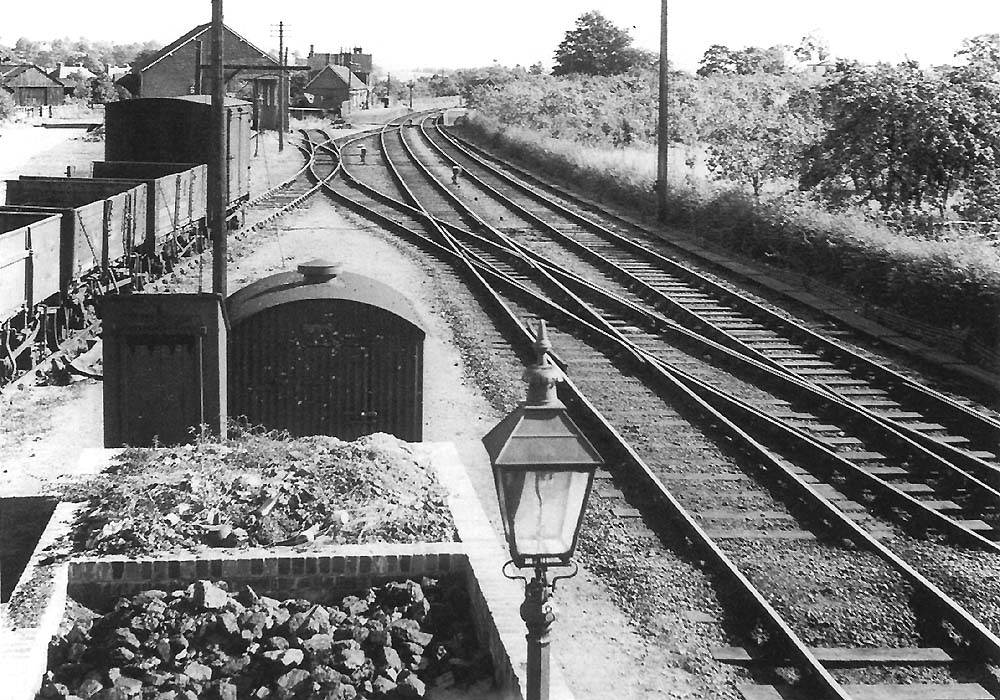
(319, 270)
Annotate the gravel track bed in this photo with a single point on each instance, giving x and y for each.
(971, 577)
(831, 596)
(867, 604)
(660, 587)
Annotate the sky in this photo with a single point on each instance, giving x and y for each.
(465, 33)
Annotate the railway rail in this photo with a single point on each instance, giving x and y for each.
(631, 381)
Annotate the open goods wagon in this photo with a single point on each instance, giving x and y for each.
(175, 202)
(178, 130)
(101, 220)
(26, 239)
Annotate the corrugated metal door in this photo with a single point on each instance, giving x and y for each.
(167, 406)
(328, 367)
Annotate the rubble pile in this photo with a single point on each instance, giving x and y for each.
(206, 642)
(261, 490)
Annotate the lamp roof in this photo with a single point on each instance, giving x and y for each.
(538, 436)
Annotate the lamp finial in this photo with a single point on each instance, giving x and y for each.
(542, 376)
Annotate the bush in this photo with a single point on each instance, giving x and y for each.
(6, 106)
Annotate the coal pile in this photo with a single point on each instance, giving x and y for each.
(261, 490)
(207, 642)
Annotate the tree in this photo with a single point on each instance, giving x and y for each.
(142, 57)
(721, 60)
(594, 47)
(717, 59)
(7, 105)
(756, 127)
(982, 52)
(907, 138)
(442, 85)
(812, 49)
(102, 90)
(297, 82)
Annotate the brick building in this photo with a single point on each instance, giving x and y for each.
(173, 71)
(338, 89)
(29, 85)
(357, 62)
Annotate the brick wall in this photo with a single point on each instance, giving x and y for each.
(323, 576)
(174, 75)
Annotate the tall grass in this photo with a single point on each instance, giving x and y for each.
(946, 284)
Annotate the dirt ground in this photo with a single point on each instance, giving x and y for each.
(43, 429)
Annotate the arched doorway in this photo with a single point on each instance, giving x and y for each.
(324, 352)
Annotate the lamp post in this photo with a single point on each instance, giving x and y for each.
(410, 85)
(543, 468)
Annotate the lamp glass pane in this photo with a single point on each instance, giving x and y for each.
(543, 509)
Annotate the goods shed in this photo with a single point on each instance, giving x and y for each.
(29, 85)
(324, 352)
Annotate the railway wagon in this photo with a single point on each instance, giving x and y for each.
(170, 201)
(101, 220)
(177, 130)
(175, 205)
(28, 241)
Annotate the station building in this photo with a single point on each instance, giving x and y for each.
(173, 71)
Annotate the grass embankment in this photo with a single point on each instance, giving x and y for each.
(950, 285)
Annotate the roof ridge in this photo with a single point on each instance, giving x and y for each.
(188, 37)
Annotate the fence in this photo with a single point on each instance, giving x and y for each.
(34, 113)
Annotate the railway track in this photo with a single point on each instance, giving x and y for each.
(952, 492)
(634, 388)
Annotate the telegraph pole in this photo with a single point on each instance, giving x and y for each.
(217, 182)
(281, 87)
(285, 95)
(662, 140)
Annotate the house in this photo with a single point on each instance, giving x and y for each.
(71, 76)
(338, 89)
(116, 72)
(29, 85)
(63, 72)
(174, 71)
(359, 63)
